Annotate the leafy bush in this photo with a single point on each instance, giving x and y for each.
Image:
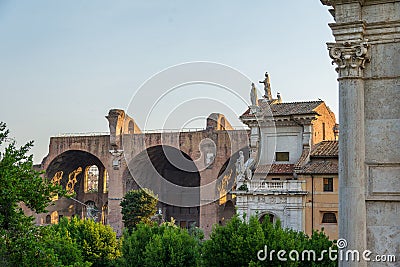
(164, 245)
(97, 242)
(238, 242)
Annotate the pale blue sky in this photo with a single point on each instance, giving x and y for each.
(64, 64)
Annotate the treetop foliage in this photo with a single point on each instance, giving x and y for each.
(138, 206)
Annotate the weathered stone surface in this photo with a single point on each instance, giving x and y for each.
(369, 118)
(209, 151)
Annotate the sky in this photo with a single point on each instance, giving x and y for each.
(64, 64)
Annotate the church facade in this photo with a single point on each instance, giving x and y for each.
(287, 142)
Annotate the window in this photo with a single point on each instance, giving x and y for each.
(282, 156)
(276, 179)
(323, 131)
(91, 179)
(329, 217)
(328, 184)
(48, 219)
(265, 216)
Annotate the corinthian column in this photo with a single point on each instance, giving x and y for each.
(367, 55)
(350, 58)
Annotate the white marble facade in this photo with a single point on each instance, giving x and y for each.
(281, 199)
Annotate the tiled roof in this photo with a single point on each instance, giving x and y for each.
(286, 109)
(275, 169)
(325, 149)
(320, 167)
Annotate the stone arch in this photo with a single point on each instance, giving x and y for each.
(273, 217)
(70, 169)
(160, 163)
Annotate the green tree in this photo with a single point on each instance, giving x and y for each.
(138, 206)
(234, 244)
(97, 242)
(63, 247)
(165, 245)
(20, 183)
(20, 241)
(238, 242)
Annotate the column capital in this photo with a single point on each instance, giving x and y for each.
(350, 57)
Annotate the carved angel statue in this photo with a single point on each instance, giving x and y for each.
(247, 166)
(253, 95)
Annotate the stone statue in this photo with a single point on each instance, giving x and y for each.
(253, 95)
(267, 87)
(240, 165)
(247, 166)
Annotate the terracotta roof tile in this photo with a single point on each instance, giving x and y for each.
(294, 108)
(275, 169)
(326, 149)
(286, 109)
(320, 167)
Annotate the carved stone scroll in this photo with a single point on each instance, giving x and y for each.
(350, 57)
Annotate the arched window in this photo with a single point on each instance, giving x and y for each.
(271, 217)
(329, 217)
(91, 179)
(48, 219)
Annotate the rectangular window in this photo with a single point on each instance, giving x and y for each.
(328, 184)
(282, 156)
(323, 131)
(276, 179)
(329, 217)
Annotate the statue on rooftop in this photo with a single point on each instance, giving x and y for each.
(267, 87)
(253, 95)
